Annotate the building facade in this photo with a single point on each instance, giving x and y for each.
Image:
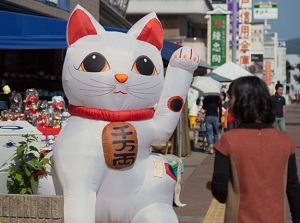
(38, 67)
(183, 21)
(108, 12)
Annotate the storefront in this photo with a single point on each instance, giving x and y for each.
(33, 48)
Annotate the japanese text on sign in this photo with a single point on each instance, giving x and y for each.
(126, 157)
(218, 40)
(120, 145)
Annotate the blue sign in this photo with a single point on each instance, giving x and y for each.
(11, 127)
(9, 144)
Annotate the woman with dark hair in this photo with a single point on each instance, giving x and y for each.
(255, 163)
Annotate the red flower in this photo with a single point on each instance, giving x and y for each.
(41, 172)
(44, 153)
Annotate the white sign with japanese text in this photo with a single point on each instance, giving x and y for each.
(244, 45)
(245, 31)
(245, 4)
(245, 59)
(265, 10)
(245, 16)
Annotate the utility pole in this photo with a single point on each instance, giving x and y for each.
(234, 31)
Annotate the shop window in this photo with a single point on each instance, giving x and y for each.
(12, 62)
(23, 69)
(120, 5)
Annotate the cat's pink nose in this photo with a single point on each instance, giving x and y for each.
(121, 78)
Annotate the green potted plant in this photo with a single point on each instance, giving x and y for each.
(28, 164)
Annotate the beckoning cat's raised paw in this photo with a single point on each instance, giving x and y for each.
(185, 58)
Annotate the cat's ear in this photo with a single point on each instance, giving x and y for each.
(148, 29)
(82, 23)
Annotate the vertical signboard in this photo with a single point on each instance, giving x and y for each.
(268, 72)
(245, 19)
(245, 59)
(218, 39)
(245, 16)
(245, 3)
(257, 37)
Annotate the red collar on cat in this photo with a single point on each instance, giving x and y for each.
(111, 116)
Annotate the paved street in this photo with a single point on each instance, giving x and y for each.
(198, 169)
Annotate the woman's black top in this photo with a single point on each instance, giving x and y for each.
(212, 105)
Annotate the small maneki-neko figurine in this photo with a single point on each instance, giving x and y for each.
(4, 115)
(30, 105)
(16, 105)
(58, 108)
(42, 116)
(31, 100)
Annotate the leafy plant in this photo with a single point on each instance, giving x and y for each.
(28, 164)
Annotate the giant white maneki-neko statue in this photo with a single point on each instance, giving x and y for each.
(102, 156)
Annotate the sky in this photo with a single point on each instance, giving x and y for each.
(288, 23)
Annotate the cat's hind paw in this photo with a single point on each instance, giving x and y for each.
(185, 58)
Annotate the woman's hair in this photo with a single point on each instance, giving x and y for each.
(253, 102)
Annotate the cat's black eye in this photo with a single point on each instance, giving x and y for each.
(94, 62)
(144, 66)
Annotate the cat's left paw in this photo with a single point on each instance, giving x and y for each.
(185, 58)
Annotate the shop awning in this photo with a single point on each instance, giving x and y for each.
(22, 31)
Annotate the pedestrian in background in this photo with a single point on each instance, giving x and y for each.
(255, 164)
(195, 108)
(279, 102)
(224, 114)
(213, 110)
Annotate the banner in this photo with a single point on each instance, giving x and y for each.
(268, 72)
(218, 40)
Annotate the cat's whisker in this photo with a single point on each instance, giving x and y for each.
(98, 95)
(139, 97)
(140, 84)
(101, 82)
(141, 92)
(81, 81)
(97, 90)
(139, 89)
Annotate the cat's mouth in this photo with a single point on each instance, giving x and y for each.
(119, 92)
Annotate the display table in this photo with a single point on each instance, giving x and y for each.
(10, 136)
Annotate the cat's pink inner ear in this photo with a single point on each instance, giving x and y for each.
(152, 33)
(79, 25)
